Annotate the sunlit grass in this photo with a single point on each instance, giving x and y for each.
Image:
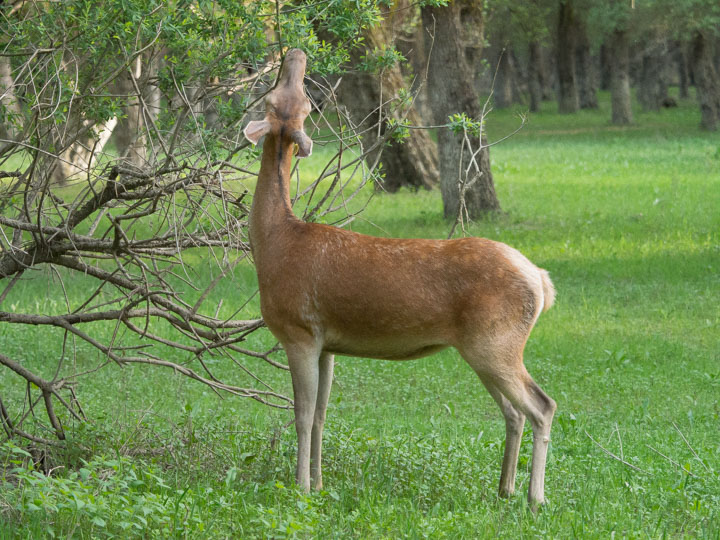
(628, 223)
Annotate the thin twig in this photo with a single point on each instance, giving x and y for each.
(683, 469)
(609, 453)
(690, 447)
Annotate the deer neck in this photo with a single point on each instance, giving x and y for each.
(271, 210)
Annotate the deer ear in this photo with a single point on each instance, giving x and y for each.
(256, 129)
(304, 143)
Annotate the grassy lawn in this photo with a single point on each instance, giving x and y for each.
(626, 220)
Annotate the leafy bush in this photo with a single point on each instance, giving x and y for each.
(113, 497)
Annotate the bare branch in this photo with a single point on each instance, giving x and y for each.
(139, 250)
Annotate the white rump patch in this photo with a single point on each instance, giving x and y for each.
(529, 272)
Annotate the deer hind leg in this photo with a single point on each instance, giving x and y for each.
(514, 423)
(528, 398)
(326, 365)
(543, 408)
(507, 374)
(304, 369)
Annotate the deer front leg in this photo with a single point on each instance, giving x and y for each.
(303, 362)
(326, 365)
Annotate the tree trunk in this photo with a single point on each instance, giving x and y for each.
(129, 134)
(620, 78)
(605, 66)
(647, 87)
(152, 95)
(652, 90)
(707, 82)
(502, 65)
(567, 87)
(10, 112)
(83, 141)
(587, 91)
(518, 78)
(681, 58)
(503, 88)
(451, 91)
(418, 56)
(412, 163)
(473, 42)
(546, 74)
(534, 75)
(75, 144)
(88, 141)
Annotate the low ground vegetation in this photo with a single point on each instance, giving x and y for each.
(627, 222)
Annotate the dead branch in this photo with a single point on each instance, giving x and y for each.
(621, 460)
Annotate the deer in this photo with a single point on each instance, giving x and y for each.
(327, 291)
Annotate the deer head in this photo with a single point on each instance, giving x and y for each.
(286, 107)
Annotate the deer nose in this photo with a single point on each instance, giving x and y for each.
(293, 54)
(293, 69)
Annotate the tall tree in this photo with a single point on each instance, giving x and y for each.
(707, 81)
(451, 91)
(620, 77)
(504, 73)
(10, 111)
(535, 75)
(613, 22)
(369, 94)
(129, 134)
(585, 74)
(681, 58)
(568, 101)
(502, 63)
(605, 66)
(652, 85)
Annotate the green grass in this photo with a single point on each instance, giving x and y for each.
(628, 223)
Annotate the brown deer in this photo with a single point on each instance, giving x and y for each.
(327, 291)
